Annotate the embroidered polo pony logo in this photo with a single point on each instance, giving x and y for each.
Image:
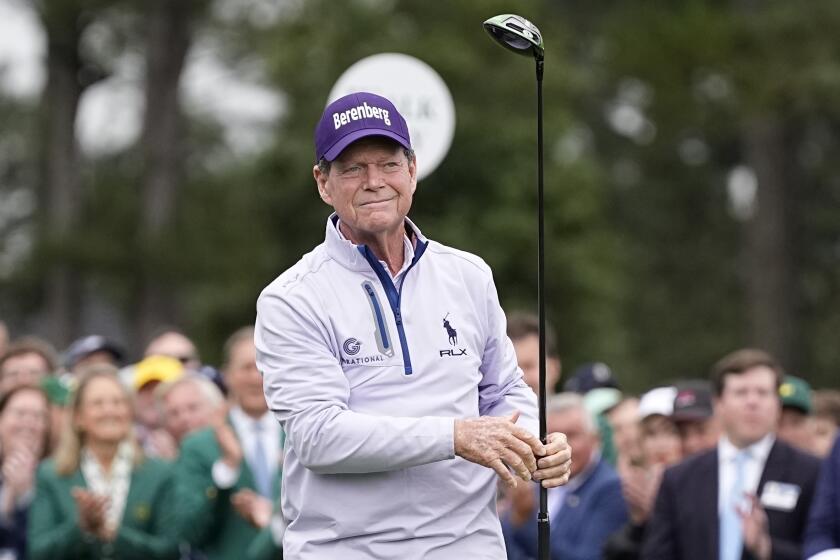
(453, 334)
(453, 341)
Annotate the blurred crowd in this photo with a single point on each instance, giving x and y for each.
(171, 458)
(650, 477)
(165, 458)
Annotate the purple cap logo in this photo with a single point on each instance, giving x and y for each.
(355, 116)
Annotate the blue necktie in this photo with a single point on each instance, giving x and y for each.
(731, 535)
(259, 464)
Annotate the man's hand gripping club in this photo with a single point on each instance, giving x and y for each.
(498, 443)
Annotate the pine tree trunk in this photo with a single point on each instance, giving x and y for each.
(61, 186)
(163, 150)
(769, 274)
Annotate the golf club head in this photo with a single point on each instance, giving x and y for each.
(517, 34)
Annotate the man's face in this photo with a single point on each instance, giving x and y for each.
(660, 441)
(23, 369)
(795, 428)
(186, 409)
(528, 357)
(147, 413)
(572, 422)
(99, 357)
(370, 186)
(624, 421)
(749, 405)
(823, 433)
(175, 345)
(244, 380)
(698, 435)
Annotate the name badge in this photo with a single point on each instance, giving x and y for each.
(780, 495)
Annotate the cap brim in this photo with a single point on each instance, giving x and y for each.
(348, 139)
(114, 351)
(691, 415)
(797, 406)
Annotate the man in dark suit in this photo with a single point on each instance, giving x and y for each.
(747, 498)
(585, 511)
(823, 531)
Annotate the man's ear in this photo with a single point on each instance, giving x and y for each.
(321, 182)
(412, 170)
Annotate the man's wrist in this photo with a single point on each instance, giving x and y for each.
(232, 462)
(765, 548)
(456, 431)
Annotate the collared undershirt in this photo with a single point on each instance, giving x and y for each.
(408, 253)
(223, 475)
(557, 495)
(753, 467)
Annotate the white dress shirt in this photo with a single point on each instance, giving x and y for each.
(753, 466)
(225, 477)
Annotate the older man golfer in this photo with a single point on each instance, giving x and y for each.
(397, 429)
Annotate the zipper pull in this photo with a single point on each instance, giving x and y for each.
(398, 316)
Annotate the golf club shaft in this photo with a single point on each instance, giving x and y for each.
(543, 523)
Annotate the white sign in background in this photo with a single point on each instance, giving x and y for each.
(418, 93)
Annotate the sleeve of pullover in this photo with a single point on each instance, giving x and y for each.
(502, 390)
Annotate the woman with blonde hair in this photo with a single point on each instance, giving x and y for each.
(99, 497)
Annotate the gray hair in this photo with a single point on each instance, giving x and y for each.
(209, 391)
(325, 165)
(564, 402)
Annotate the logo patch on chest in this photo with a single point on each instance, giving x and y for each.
(452, 335)
(353, 346)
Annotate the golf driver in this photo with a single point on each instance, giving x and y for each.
(519, 35)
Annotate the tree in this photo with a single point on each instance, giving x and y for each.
(68, 74)
(170, 24)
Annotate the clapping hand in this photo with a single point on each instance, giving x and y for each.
(639, 486)
(227, 440)
(755, 526)
(92, 508)
(254, 508)
(19, 470)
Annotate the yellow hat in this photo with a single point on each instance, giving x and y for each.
(157, 368)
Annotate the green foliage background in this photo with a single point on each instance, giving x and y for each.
(644, 262)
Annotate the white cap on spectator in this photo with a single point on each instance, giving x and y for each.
(657, 401)
(830, 554)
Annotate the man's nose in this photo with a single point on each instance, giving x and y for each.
(375, 177)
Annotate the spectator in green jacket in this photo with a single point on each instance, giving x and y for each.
(100, 497)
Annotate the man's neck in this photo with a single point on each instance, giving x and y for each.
(253, 414)
(741, 444)
(388, 247)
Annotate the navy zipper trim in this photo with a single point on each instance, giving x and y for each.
(395, 294)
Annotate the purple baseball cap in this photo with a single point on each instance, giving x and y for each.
(355, 116)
